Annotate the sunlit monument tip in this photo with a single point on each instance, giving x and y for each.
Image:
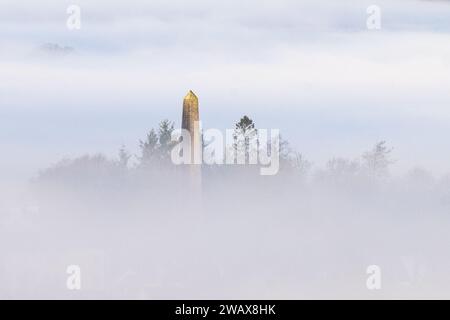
(190, 112)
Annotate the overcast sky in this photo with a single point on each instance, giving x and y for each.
(310, 68)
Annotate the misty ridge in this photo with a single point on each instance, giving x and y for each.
(151, 180)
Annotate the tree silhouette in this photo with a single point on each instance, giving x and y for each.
(155, 150)
(377, 160)
(124, 157)
(149, 148)
(244, 133)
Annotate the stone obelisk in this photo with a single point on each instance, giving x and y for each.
(191, 123)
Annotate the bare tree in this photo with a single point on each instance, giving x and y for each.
(124, 157)
(377, 161)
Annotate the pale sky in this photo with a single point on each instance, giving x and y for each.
(309, 68)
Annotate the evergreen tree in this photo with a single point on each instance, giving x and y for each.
(149, 148)
(155, 150)
(244, 133)
(164, 136)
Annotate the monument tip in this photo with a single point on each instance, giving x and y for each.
(190, 95)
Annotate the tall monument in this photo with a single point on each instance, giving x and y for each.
(190, 122)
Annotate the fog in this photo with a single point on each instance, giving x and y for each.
(139, 228)
(143, 230)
